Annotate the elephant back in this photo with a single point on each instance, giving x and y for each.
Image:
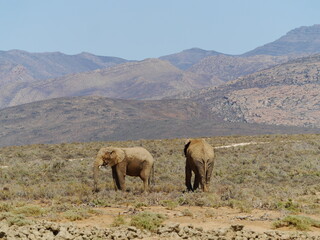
(138, 153)
(199, 149)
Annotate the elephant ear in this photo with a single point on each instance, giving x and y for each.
(186, 145)
(117, 156)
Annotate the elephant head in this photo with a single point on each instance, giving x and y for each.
(106, 157)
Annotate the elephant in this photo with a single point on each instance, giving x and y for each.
(199, 160)
(135, 161)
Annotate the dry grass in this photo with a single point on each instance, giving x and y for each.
(281, 173)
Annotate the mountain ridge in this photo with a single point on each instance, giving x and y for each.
(299, 41)
(55, 64)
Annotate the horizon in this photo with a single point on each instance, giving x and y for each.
(143, 29)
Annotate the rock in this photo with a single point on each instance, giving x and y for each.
(64, 234)
(48, 236)
(237, 227)
(132, 229)
(55, 231)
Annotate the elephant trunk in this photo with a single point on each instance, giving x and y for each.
(97, 163)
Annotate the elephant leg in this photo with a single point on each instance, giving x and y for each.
(144, 175)
(121, 177)
(200, 173)
(196, 181)
(145, 184)
(188, 177)
(203, 184)
(116, 182)
(208, 175)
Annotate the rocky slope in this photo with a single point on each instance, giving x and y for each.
(287, 94)
(302, 40)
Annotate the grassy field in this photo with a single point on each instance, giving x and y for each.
(276, 172)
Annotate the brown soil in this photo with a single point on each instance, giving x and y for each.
(204, 217)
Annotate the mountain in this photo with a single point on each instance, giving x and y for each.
(299, 41)
(27, 77)
(55, 64)
(287, 94)
(281, 99)
(189, 57)
(83, 119)
(148, 79)
(226, 68)
(223, 95)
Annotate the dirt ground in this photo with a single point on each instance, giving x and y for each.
(204, 217)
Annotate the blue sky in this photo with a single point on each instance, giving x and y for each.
(139, 29)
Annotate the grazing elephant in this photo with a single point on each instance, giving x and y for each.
(135, 161)
(199, 160)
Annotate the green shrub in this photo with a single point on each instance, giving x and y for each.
(301, 223)
(187, 212)
(76, 214)
(5, 207)
(290, 206)
(169, 204)
(100, 202)
(210, 213)
(140, 205)
(147, 220)
(118, 221)
(30, 210)
(15, 219)
(243, 206)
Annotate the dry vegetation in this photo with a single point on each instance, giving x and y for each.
(54, 182)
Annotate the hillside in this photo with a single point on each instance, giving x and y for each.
(91, 118)
(83, 119)
(148, 79)
(287, 94)
(20, 69)
(302, 40)
(226, 68)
